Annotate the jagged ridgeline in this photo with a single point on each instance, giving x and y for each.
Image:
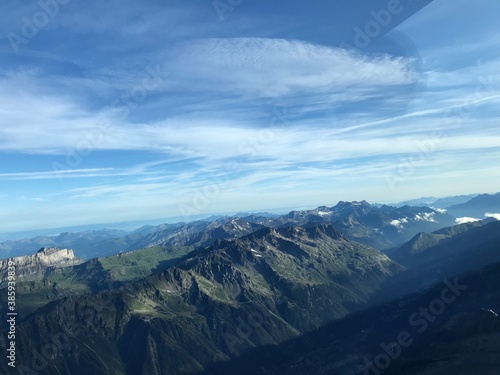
(42, 278)
(262, 288)
(381, 227)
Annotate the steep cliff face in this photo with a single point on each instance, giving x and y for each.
(31, 267)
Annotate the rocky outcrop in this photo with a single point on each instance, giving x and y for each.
(33, 267)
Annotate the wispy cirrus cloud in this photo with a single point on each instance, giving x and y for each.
(350, 118)
(277, 67)
(43, 118)
(69, 173)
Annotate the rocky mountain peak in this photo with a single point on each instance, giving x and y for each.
(327, 230)
(29, 267)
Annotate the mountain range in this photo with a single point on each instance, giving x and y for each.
(263, 288)
(380, 227)
(348, 289)
(444, 202)
(477, 207)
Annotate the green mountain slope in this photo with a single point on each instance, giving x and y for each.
(463, 337)
(452, 250)
(264, 288)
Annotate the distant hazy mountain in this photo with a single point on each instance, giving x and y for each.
(419, 246)
(198, 233)
(477, 207)
(256, 216)
(126, 226)
(450, 201)
(424, 201)
(380, 227)
(434, 202)
(104, 242)
(447, 252)
(85, 244)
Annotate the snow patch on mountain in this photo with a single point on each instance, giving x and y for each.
(426, 216)
(491, 312)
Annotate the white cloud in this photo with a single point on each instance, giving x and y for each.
(399, 223)
(426, 216)
(211, 111)
(59, 174)
(464, 220)
(276, 67)
(59, 121)
(489, 214)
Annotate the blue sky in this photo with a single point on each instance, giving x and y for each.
(125, 110)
